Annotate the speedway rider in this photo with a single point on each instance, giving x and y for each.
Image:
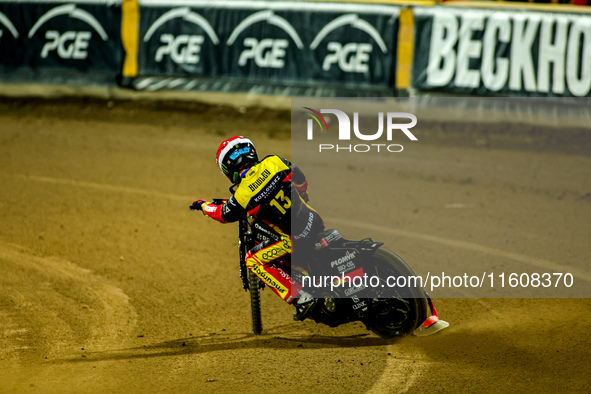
(274, 191)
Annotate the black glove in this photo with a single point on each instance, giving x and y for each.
(197, 205)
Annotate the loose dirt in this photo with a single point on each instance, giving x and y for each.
(110, 284)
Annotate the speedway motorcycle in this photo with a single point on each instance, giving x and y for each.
(388, 312)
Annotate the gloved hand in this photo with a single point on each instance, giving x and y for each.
(198, 205)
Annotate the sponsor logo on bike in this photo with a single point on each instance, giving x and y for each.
(359, 305)
(269, 280)
(350, 57)
(261, 228)
(308, 227)
(353, 290)
(286, 276)
(348, 257)
(396, 123)
(262, 238)
(286, 244)
(183, 48)
(271, 254)
(259, 181)
(71, 44)
(266, 52)
(326, 241)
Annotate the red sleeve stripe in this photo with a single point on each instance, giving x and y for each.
(214, 212)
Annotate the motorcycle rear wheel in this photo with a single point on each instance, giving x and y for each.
(396, 316)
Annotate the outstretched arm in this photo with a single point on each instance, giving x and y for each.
(228, 211)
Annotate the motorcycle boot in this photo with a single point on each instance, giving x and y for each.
(304, 306)
(433, 324)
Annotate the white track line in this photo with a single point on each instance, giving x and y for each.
(399, 375)
(101, 186)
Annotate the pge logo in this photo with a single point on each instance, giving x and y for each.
(344, 132)
(184, 48)
(352, 57)
(69, 44)
(4, 21)
(268, 52)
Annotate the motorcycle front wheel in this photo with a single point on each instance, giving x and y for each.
(255, 303)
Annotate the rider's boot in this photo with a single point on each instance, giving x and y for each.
(304, 306)
(432, 324)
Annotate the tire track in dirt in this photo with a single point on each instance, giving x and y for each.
(101, 186)
(58, 309)
(398, 374)
(112, 315)
(402, 372)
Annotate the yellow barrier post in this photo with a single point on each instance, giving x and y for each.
(405, 48)
(130, 23)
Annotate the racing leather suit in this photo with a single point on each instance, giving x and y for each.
(274, 191)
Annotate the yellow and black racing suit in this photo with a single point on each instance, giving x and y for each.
(275, 191)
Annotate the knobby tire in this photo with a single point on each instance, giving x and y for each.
(255, 303)
(417, 301)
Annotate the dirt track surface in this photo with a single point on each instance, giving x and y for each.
(109, 284)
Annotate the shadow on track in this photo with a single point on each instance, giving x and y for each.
(215, 342)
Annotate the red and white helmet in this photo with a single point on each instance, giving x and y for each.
(233, 154)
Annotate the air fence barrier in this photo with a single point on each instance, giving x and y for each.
(299, 48)
(60, 42)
